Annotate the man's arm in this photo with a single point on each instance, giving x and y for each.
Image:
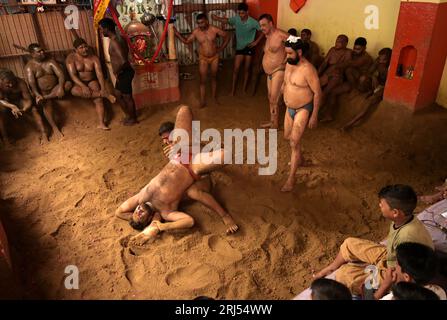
(226, 36)
(14, 109)
(31, 79)
(188, 40)
(257, 40)
(314, 83)
(385, 286)
(60, 77)
(220, 19)
(325, 62)
(26, 96)
(99, 74)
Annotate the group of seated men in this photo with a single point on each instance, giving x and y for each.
(344, 69)
(47, 80)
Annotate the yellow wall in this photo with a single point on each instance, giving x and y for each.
(442, 95)
(329, 18)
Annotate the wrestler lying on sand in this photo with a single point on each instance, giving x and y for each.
(159, 199)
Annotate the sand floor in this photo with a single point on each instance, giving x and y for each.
(58, 202)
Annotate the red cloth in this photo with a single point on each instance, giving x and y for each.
(296, 5)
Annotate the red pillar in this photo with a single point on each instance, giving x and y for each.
(419, 45)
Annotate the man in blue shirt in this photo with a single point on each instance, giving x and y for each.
(246, 41)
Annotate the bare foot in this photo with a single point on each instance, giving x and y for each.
(323, 273)
(229, 222)
(288, 186)
(58, 134)
(111, 98)
(43, 139)
(103, 127)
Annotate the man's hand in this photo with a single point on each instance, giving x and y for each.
(252, 45)
(390, 278)
(86, 92)
(313, 122)
(39, 99)
(16, 111)
(60, 91)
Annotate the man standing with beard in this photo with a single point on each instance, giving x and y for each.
(302, 96)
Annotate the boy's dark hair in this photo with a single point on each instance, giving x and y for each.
(166, 127)
(108, 24)
(266, 16)
(418, 261)
(360, 42)
(138, 225)
(386, 51)
(78, 42)
(293, 32)
(201, 16)
(401, 197)
(327, 289)
(412, 291)
(242, 7)
(307, 31)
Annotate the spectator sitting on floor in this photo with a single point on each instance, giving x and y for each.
(397, 203)
(327, 289)
(415, 263)
(412, 291)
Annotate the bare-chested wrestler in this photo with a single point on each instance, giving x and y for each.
(374, 83)
(302, 95)
(356, 69)
(85, 71)
(330, 72)
(14, 94)
(47, 81)
(206, 36)
(201, 190)
(246, 28)
(273, 63)
(119, 51)
(164, 192)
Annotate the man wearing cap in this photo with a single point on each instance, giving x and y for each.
(85, 71)
(302, 94)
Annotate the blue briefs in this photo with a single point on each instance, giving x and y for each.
(309, 107)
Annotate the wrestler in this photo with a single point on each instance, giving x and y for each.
(164, 192)
(47, 81)
(273, 63)
(119, 51)
(85, 71)
(206, 36)
(15, 95)
(302, 95)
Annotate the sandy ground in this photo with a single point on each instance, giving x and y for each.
(58, 202)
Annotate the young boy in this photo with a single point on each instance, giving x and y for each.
(417, 264)
(397, 203)
(327, 289)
